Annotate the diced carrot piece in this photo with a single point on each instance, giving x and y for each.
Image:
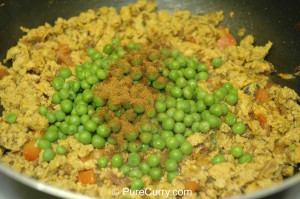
(31, 151)
(261, 95)
(192, 185)
(262, 120)
(3, 72)
(226, 40)
(63, 55)
(87, 177)
(192, 40)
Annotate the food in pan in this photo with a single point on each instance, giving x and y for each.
(144, 99)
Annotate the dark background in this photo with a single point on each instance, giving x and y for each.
(277, 21)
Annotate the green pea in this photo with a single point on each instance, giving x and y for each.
(92, 79)
(231, 99)
(217, 62)
(55, 98)
(245, 158)
(183, 105)
(43, 110)
(216, 110)
(202, 68)
(102, 162)
(225, 108)
(153, 160)
(204, 127)
(44, 144)
(192, 64)
(144, 148)
(239, 128)
(160, 107)
(186, 148)
(57, 83)
(145, 168)
(176, 92)
(233, 91)
(51, 135)
(65, 73)
(11, 118)
(60, 115)
(172, 175)
(159, 143)
(209, 99)
(87, 96)
(168, 124)
(115, 41)
(176, 54)
(236, 151)
(196, 126)
(81, 109)
(48, 155)
(53, 128)
(125, 169)
(178, 115)
(101, 74)
(228, 86)
(51, 117)
(134, 159)
(188, 133)
(66, 106)
(132, 136)
(155, 173)
(162, 116)
(230, 119)
(90, 126)
(138, 109)
(181, 82)
(201, 94)
(218, 159)
(90, 51)
(292, 147)
(179, 127)
(84, 84)
(189, 73)
(96, 56)
(108, 49)
(85, 137)
(98, 141)
(61, 150)
(103, 130)
(171, 165)
(117, 161)
(188, 92)
(188, 120)
(200, 106)
(174, 65)
(137, 184)
(172, 143)
(176, 155)
(180, 138)
(196, 116)
(214, 122)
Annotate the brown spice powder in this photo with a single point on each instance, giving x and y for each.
(118, 90)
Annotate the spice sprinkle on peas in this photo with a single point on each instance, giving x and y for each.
(181, 109)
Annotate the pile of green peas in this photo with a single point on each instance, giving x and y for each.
(182, 109)
(78, 104)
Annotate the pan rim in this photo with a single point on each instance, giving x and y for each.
(63, 193)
